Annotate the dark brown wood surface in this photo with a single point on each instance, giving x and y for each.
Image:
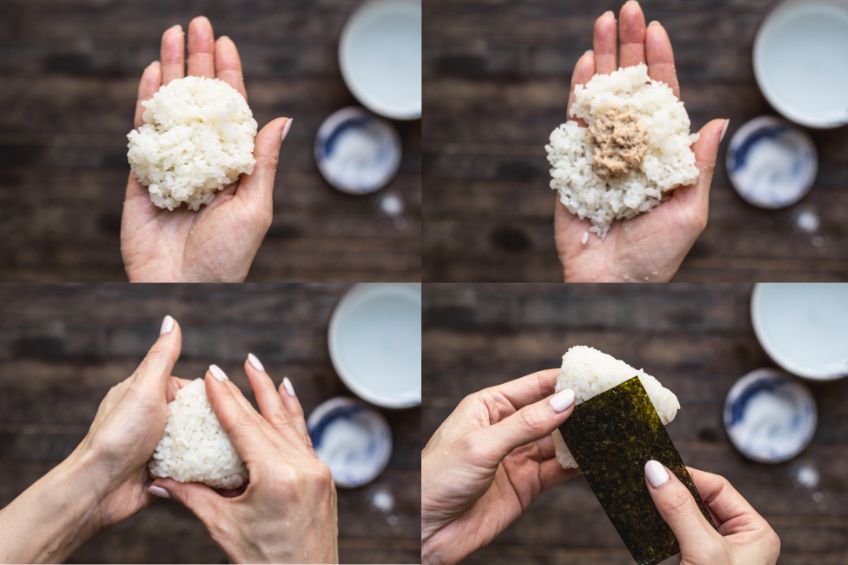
(697, 340)
(63, 347)
(68, 76)
(496, 75)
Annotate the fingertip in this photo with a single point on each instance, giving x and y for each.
(656, 474)
(158, 491)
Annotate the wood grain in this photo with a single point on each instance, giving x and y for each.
(62, 347)
(697, 339)
(496, 77)
(70, 69)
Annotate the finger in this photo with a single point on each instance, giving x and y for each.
(174, 386)
(531, 423)
(202, 500)
(660, 57)
(201, 48)
(551, 473)
(677, 506)
(172, 54)
(270, 404)
(151, 80)
(295, 410)
(631, 29)
(528, 389)
(721, 498)
(238, 423)
(257, 188)
(228, 64)
(697, 197)
(584, 70)
(155, 369)
(604, 43)
(545, 448)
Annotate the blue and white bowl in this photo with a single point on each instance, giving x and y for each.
(353, 439)
(771, 163)
(769, 417)
(357, 152)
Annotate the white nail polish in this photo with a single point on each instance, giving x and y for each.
(287, 384)
(562, 400)
(724, 129)
(255, 362)
(218, 373)
(158, 491)
(167, 325)
(656, 473)
(286, 128)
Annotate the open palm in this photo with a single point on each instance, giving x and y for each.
(219, 242)
(649, 247)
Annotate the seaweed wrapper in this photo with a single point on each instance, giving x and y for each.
(612, 436)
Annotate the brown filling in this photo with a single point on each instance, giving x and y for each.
(620, 142)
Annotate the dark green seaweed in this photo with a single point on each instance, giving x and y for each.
(612, 436)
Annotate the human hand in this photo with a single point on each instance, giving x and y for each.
(218, 242)
(487, 462)
(287, 513)
(743, 536)
(651, 246)
(104, 480)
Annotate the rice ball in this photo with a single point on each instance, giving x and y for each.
(637, 146)
(589, 372)
(197, 138)
(195, 449)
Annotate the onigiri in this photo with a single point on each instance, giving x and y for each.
(197, 138)
(194, 447)
(589, 372)
(636, 148)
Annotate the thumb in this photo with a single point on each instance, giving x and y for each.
(202, 500)
(677, 507)
(706, 152)
(157, 366)
(257, 188)
(534, 421)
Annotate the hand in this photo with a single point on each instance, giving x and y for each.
(218, 242)
(651, 246)
(487, 462)
(743, 536)
(288, 511)
(104, 480)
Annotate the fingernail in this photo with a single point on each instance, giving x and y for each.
(177, 26)
(562, 400)
(255, 362)
(287, 384)
(167, 325)
(724, 130)
(218, 373)
(158, 491)
(656, 473)
(287, 127)
(654, 23)
(609, 13)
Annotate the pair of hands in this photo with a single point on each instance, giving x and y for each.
(218, 242)
(494, 455)
(651, 246)
(286, 513)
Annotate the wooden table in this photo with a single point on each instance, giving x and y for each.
(69, 71)
(497, 75)
(63, 347)
(697, 340)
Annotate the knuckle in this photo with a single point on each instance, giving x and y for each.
(676, 503)
(532, 420)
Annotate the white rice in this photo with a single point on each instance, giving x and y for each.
(589, 372)
(195, 448)
(197, 138)
(668, 163)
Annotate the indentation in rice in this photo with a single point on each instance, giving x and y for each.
(197, 138)
(668, 162)
(195, 448)
(589, 372)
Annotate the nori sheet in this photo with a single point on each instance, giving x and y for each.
(612, 436)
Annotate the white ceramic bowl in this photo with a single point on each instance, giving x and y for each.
(800, 61)
(803, 327)
(375, 343)
(380, 57)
